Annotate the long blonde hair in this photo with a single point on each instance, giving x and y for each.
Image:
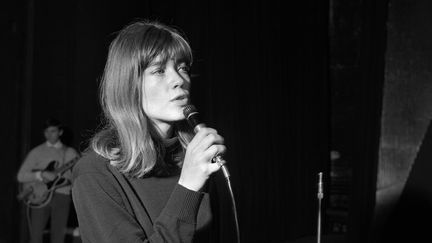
(129, 139)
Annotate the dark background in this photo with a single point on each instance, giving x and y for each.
(284, 82)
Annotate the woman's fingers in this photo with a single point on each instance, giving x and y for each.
(209, 141)
(197, 164)
(213, 167)
(204, 140)
(214, 150)
(203, 134)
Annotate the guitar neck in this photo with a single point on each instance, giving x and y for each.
(66, 166)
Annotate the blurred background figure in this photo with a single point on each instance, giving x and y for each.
(45, 184)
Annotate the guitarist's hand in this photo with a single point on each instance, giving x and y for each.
(48, 176)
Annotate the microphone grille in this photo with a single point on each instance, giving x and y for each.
(189, 109)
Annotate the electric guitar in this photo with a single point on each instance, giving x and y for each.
(37, 194)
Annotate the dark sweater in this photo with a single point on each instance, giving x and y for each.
(113, 208)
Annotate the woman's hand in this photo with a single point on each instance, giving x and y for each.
(197, 165)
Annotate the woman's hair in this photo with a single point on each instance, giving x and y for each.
(129, 138)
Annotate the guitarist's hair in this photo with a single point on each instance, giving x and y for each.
(52, 122)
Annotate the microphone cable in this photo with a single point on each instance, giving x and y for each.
(233, 203)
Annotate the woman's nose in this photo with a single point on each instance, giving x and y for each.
(176, 79)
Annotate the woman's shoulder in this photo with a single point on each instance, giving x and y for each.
(93, 177)
(91, 162)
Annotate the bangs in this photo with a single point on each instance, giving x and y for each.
(159, 43)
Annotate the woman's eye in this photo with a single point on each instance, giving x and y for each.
(184, 69)
(159, 71)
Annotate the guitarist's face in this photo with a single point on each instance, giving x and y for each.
(52, 134)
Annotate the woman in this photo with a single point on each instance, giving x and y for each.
(144, 178)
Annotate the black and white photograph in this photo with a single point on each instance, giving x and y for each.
(202, 121)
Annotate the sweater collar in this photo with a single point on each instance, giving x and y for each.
(57, 145)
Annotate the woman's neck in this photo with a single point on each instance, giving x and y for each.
(165, 130)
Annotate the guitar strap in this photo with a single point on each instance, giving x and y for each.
(63, 159)
(64, 155)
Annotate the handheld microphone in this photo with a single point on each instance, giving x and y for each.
(192, 116)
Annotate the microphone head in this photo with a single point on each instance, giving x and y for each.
(188, 110)
(192, 116)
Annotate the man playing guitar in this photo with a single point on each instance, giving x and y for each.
(35, 176)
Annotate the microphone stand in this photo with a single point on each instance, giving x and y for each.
(320, 195)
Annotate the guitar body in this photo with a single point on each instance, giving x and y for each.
(37, 194)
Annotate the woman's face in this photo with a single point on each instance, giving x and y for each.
(165, 92)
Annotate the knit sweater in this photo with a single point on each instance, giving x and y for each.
(112, 207)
